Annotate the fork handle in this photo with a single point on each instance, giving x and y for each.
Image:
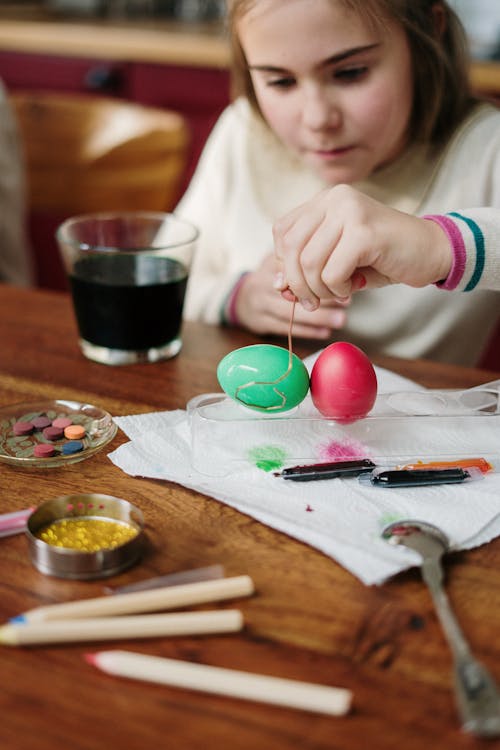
(477, 697)
(476, 694)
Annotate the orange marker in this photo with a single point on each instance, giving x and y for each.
(465, 463)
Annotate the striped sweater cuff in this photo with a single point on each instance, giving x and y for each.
(467, 243)
(228, 310)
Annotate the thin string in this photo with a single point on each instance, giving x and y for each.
(290, 327)
(272, 382)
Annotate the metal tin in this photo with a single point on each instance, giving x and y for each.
(70, 563)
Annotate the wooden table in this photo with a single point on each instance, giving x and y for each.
(310, 619)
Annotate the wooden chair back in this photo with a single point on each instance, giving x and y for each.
(88, 153)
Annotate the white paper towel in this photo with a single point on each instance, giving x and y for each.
(341, 517)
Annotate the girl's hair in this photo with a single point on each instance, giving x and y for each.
(438, 48)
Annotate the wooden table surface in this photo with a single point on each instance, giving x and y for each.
(309, 620)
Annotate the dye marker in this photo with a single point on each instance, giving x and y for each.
(419, 477)
(330, 470)
(482, 464)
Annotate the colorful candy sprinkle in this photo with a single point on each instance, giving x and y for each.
(23, 428)
(52, 430)
(62, 422)
(39, 423)
(43, 450)
(53, 433)
(72, 446)
(74, 432)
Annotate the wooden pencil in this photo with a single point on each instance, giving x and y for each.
(233, 683)
(168, 597)
(109, 628)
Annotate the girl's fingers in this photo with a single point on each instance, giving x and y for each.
(339, 243)
(288, 295)
(318, 324)
(310, 332)
(331, 318)
(292, 235)
(296, 227)
(315, 255)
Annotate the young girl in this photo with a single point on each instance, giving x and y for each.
(359, 112)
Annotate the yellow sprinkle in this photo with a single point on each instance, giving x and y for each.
(86, 534)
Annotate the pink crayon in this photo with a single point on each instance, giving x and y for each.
(14, 523)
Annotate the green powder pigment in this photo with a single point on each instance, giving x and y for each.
(267, 457)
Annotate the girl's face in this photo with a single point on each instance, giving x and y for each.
(335, 91)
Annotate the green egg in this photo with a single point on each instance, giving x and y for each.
(257, 377)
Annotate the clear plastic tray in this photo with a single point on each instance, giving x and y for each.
(402, 427)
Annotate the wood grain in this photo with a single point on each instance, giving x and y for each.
(310, 619)
(157, 42)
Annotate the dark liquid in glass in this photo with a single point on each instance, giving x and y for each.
(127, 301)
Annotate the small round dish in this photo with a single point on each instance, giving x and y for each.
(18, 449)
(77, 564)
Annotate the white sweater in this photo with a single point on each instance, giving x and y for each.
(245, 180)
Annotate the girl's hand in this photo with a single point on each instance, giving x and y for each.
(342, 241)
(262, 310)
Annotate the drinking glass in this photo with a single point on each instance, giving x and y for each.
(128, 273)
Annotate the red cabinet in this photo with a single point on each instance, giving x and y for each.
(26, 71)
(200, 94)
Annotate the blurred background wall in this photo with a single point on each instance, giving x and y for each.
(482, 22)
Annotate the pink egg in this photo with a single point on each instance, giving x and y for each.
(343, 383)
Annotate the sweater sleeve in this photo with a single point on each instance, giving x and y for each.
(474, 236)
(206, 204)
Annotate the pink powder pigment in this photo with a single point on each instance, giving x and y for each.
(342, 450)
